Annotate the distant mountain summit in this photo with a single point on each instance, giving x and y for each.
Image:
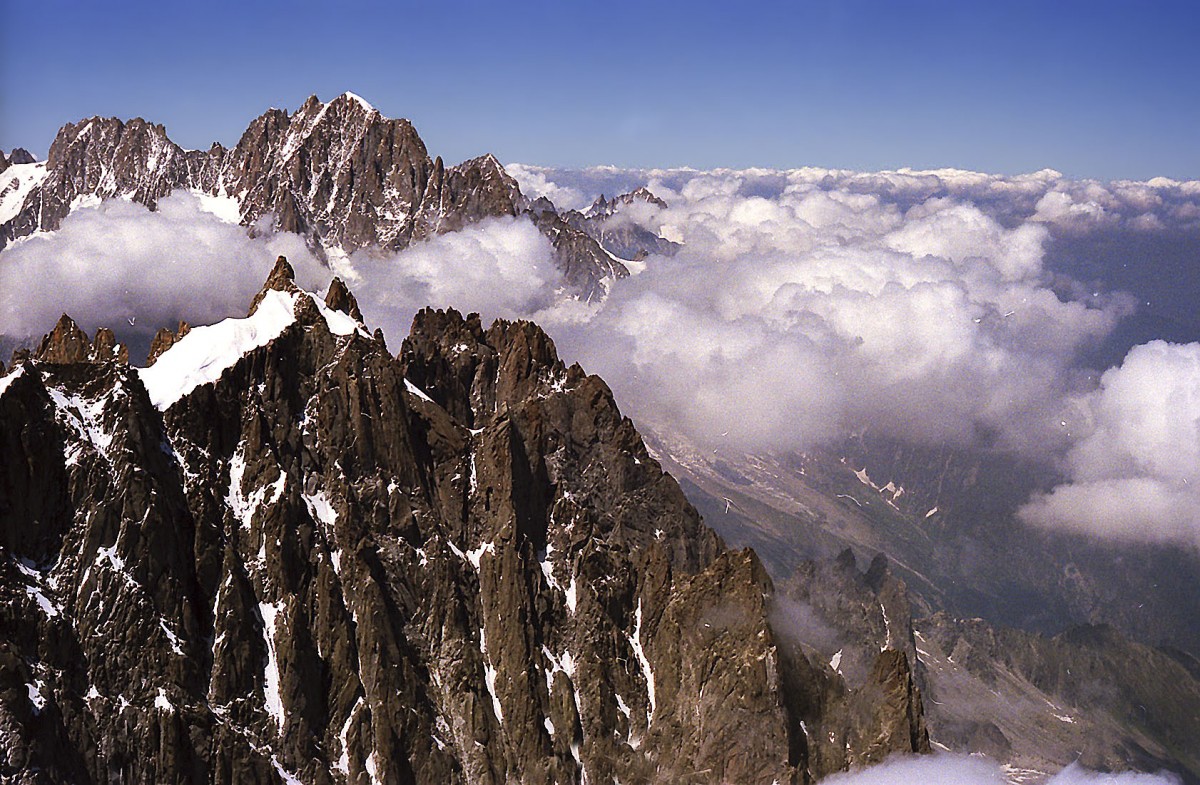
(339, 173)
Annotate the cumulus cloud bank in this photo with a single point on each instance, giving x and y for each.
(1136, 473)
(122, 266)
(501, 268)
(946, 769)
(803, 305)
(941, 307)
(788, 319)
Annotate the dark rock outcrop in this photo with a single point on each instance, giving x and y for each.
(848, 650)
(1088, 694)
(339, 298)
(329, 563)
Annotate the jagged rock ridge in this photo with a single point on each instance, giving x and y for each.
(610, 223)
(283, 554)
(338, 173)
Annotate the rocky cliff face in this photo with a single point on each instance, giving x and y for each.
(282, 554)
(1088, 694)
(338, 173)
(848, 635)
(944, 518)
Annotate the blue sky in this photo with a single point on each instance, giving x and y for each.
(1095, 89)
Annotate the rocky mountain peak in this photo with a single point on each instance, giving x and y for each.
(286, 555)
(282, 278)
(338, 172)
(357, 102)
(603, 207)
(20, 155)
(642, 194)
(618, 232)
(340, 298)
(67, 343)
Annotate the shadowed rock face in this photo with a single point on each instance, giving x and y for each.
(338, 173)
(455, 565)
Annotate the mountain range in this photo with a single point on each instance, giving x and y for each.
(282, 553)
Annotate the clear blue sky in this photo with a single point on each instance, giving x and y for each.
(1095, 89)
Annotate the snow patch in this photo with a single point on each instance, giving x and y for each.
(417, 391)
(373, 768)
(572, 596)
(171, 637)
(49, 608)
(227, 208)
(320, 508)
(5, 381)
(835, 661)
(887, 627)
(285, 775)
(342, 764)
(205, 353)
(244, 507)
(489, 678)
(272, 700)
(635, 643)
(162, 702)
(85, 417)
(16, 183)
(548, 566)
(358, 99)
(489, 675)
(339, 323)
(476, 556)
(36, 697)
(621, 706)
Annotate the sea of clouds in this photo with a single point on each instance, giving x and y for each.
(947, 769)
(940, 307)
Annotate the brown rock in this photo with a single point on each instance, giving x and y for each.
(66, 343)
(164, 339)
(340, 298)
(281, 279)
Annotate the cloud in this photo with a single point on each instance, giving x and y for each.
(947, 769)
(924, 770)
(803, 305)
(1045, 196)
(534, 184)
(1134, 473)
(794, 314)
(499, 268)
(921, 305)
(123, 266)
